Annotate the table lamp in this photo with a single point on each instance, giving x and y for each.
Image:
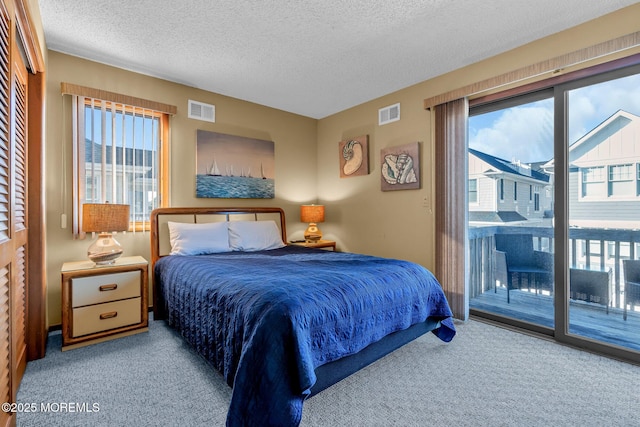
(312, 214)
(104, 218)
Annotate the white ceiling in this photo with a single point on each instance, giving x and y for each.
(310, 57)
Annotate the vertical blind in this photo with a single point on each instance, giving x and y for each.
(451, 204)
(116, 158)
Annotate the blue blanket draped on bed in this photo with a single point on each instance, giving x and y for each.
(266, 326)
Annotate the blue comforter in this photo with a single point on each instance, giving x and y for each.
(267, 319)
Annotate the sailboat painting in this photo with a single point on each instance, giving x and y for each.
(234, 167)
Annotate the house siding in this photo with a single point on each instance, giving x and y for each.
(609, 213)
(614, 142)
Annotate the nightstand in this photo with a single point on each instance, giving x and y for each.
(319, 244)
(100, 303)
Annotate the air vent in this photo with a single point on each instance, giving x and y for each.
(201, 111)
(389, 114)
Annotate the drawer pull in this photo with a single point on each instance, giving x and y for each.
(111, 287)
(109, 315)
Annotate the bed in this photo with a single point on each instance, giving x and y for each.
(282, 322)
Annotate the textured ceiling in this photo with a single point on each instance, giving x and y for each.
(313, 58)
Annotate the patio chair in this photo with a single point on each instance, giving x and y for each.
(631, 283)
(592, 286)
(522, 262)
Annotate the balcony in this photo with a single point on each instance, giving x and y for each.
(601, 251)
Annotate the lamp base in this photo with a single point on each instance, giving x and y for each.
(312, 234)
(104, 250)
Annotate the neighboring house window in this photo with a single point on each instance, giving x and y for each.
(593, 182)
(501, 190)
(621, 180)
(473, 190)
(120, 156)
(515, 191)
(536, 199)
(530, 192)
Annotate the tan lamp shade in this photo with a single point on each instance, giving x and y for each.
(104, 217)
(312, 214)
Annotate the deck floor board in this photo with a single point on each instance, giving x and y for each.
(585, 319)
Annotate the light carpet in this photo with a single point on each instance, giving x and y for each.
(487, 376)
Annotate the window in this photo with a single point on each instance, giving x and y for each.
(501, 190)
(515, 191)
(473, 190)
(536, 198)
(120, 154)
(593, 182)
(621, 180)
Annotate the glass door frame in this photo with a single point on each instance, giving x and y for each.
(561, 214)
(561, 85)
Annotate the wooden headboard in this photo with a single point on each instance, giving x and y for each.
(161, 246)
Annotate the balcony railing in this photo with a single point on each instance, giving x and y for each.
(608, 253)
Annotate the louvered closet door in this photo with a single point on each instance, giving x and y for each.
(18, 224)
(6, 246)
(13, 226)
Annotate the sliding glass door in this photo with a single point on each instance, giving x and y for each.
(511, 208)
(603, 148)
(554, 210)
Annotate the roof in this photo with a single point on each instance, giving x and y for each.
(489, 216)
(598, 134)
(506, 166)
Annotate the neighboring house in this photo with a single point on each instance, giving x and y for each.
(604, 185)
(604, 175)
(501, 191)
(136, 176)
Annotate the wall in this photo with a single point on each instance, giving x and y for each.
(359, 216)
(295, 153)
(401, 224)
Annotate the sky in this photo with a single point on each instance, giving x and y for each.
(234, 153)
(525, 132)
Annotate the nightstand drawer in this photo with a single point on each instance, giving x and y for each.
(104, 288)
(102, 317)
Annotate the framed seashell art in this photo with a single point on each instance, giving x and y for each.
(400, 167)
(354, 156)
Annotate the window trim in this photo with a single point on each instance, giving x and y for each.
(628, 166)
(162, 185)
(477, 192)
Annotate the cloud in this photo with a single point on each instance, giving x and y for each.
(525, 132)
(522, 133)
(591, 105)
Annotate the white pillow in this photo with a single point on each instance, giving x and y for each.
(254, 236)
(198, 239)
